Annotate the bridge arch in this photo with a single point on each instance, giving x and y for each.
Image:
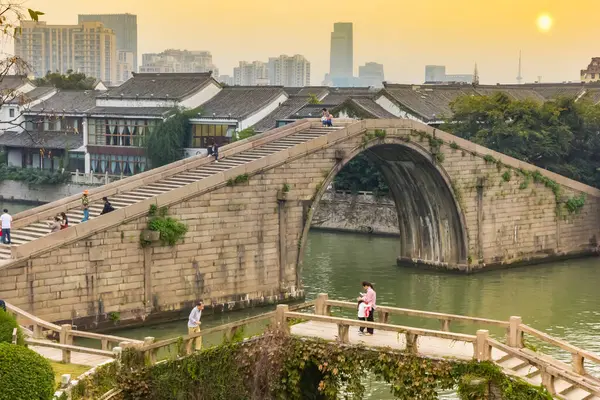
(432, 226)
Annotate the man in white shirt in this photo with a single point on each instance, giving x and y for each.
(194, 326)
(6, 225)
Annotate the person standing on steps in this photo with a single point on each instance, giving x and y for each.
(194, 326)
(370, 298)
(85, 204)
(107, 206)
(215, 151)
(6, 225)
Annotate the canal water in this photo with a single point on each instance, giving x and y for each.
(558, 298)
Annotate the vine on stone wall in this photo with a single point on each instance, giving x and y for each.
(238, 180)
(278, 367)
(171, 230)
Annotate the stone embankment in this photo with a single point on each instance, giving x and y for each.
(362, 212)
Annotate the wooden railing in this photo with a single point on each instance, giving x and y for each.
(40, 329)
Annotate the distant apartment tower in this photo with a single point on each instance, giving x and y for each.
(89, 48)
(179, 61)
(226, 80)
(371, 74)
(288, 71)
(592, 72)
(125, 28)
(435, 73)
(251, 74)
(342, 54)
(124, 66)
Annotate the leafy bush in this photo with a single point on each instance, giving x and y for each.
(171, 230)
(24, 374)
(244, 134)
(33, 176)
(7, 324)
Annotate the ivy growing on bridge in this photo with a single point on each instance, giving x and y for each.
(281, 367)
(171, 230)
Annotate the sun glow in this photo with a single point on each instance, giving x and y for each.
(544, 22)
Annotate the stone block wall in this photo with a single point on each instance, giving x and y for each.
(244, 244)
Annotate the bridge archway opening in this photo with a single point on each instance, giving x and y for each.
(430, 221)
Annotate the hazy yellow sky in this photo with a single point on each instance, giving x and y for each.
(403, 35)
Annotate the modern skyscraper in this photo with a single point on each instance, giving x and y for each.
(89, 48)
(435, 73)
(251, 74)
(289, 71)
(371, 74)
(342, 54)
(180, 61)
(125, 28)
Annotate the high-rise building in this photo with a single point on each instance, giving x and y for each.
(89, 48)
(251, 74)
(291, 71)
(125, 65)
(342, 54)
(125, 28)
(592, 72)
(179, 61)
(371, 74)
(435, 73)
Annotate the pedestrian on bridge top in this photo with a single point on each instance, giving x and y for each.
(370, 298)
(85, 204)
(107, 206)
(55, 225)
(65, 221)
(327, 118)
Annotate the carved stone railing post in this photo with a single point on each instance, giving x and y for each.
(321, 307)
(482, 347)
(280, 318)
(65, 338)
(515, 335)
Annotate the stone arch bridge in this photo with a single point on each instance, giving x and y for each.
(461, 207)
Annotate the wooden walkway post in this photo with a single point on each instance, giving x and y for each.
(280, 318)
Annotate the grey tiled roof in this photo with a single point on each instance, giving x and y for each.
(32, 95)
(240, 101)
(67, 101)
(9, 82)
(160, 86)
(307, 90)
(370, 106)
(284, 111)
(131, 111)
(46, 140)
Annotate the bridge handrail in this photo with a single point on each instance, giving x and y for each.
(64, 330)
(383, 327)
(548, 372)
(50, 210)
(383, 310)
(69, 347)
(578, 354)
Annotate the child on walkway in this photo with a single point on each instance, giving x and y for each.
(363, 312)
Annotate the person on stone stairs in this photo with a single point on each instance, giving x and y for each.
(85, 204)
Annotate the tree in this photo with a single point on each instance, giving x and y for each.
(165, 143)
(561, 135)
(361, 174)
(69, 81)
(313, 99)
(244, 134)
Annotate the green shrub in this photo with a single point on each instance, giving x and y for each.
(7, 324)
(24, 374)
(33, 175)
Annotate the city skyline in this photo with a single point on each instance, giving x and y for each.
(404, 39)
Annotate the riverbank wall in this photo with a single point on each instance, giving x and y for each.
(361, 213)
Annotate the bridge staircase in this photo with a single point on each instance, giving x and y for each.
(32, 225)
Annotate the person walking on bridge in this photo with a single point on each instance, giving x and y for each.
(6, 225)
(107, 206)
(194, 327)
(85, 204)
(370, 298)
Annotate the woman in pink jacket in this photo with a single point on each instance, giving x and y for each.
(370, 298)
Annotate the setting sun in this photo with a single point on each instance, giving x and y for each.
(544, 22)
